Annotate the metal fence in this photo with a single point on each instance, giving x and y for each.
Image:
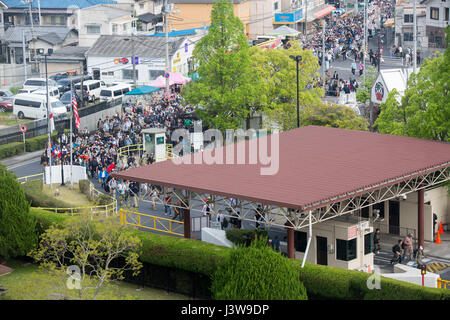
(443, 284)
(149, 222)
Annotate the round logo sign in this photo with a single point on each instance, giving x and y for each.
(167, 75)
(23, 128)
(379, 91)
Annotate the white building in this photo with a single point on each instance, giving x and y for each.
(432, 19)
(112, 56)
(388, 80)
(95, 21)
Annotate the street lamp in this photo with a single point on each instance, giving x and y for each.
(49, 152)
(298, 60)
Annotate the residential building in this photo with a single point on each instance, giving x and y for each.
(70, 59)
(432, 19)
(44, 12)
(99, 20)
(301, 14)
(39, 37)
(186, 14)
(261, 16)
(112, 55)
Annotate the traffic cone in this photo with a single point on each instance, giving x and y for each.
(441, 230)
(438, 239)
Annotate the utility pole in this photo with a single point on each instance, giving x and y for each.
(24, 56)
(48, 123)
(365, 39)
(305, 26)
(39, 10)
(323, 53)
(82, 89)
(133, 59)
(166, 10)
(31, 18)
(414, 55)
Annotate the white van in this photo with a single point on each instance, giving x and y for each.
(114, 92)
(92, 88)
(37, 83)
(33, 106)
(52, 92)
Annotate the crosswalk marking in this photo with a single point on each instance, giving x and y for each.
(437, 266)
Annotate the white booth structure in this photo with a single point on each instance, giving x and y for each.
(345, 242)
(155, 142)
(78, 173)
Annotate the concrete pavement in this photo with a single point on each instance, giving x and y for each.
(22, 158)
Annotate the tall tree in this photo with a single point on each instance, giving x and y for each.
(424, 111)
(225, 90)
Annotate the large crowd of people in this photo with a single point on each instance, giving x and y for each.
(99, 151)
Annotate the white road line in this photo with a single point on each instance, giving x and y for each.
(14, 166)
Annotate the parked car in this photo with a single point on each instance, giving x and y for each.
(52, 92)
(37, 83)
(5, 93)
(114, 92)
(67, 100)
(64, 84)
(92, 88)
(6, 104)
(59, 76)
(26, 90)
(34, 106)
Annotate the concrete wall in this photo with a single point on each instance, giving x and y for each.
(90, 121)
(261, 13)
(216, 236)
(60, 67)
(440, 203)
(12, 75)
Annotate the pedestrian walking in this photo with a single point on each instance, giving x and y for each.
(361, 68)
(154, 197)
(408, 247)
(418, 256)
(353, 68)
(396, 249)
(167, 206)
(377, 241)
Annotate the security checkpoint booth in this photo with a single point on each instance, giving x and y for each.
(324, 188)
(154, 141)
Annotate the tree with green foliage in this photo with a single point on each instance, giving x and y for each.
(257, 272)
(17, 228)
(424, 111)
(363, 93)
(83, 256)
(225, 91)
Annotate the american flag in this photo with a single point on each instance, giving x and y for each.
(75, 109)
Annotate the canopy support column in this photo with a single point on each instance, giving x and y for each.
(290, 241)
(420, 216)
(309, 240)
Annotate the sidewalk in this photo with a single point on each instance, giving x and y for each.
(22, 158)
(431, 249)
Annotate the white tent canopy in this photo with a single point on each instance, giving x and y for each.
(284, 31)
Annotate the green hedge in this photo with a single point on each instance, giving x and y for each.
(321, 282)
(244, 236)
(325, 282)
(37, 198)
(31, 144)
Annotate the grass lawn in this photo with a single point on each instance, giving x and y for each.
(73, 197)
(28, 282)
(8, 119)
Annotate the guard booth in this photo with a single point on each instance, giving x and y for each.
(155, 142)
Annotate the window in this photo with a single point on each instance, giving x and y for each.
(155, 74)
(446, 14)
(27, 103)
(368, 243)
(275, 6)
(105, 93)
(141, 5)
(114, 29)
(408, 36)
(117, 93)
(409, 18)
(434, 13)
(128, 74)
(346, 250)
(93, 29)
(300, 241)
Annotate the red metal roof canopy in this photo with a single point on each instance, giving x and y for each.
(315, 164)
(325, 11)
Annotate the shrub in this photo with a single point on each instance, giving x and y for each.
(17, 228)
(11, 149)
(104, 200)
(37, 198)
(257, 273)
(84, 186)
(243, 236)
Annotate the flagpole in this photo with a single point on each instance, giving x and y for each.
(71, 144)
(48, 123)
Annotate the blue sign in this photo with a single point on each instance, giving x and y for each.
(186, 47)
(291, 17)
(136, 60)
